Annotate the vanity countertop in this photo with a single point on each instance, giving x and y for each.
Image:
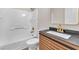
(72, 41)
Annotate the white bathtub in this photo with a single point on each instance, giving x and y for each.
(17, 45)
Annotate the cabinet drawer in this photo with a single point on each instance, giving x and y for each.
(50, 44)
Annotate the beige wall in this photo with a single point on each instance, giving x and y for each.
(43, 18)
(57, 15)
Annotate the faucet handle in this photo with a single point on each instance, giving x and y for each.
(32, 30)
(60, 29)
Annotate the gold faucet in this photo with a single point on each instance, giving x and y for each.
(59, 28)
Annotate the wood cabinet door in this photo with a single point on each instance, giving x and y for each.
(50, 44)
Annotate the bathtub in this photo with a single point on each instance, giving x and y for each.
(17, 45)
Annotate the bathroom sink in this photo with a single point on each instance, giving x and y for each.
(62, 35)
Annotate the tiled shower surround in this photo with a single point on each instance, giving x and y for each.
(16, 25)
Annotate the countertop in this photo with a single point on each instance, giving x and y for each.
(72, 41)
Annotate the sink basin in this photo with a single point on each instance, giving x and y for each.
(65, 36)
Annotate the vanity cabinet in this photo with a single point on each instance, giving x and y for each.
(49, 44)
(64, 16)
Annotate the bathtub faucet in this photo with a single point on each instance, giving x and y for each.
(32, 31)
